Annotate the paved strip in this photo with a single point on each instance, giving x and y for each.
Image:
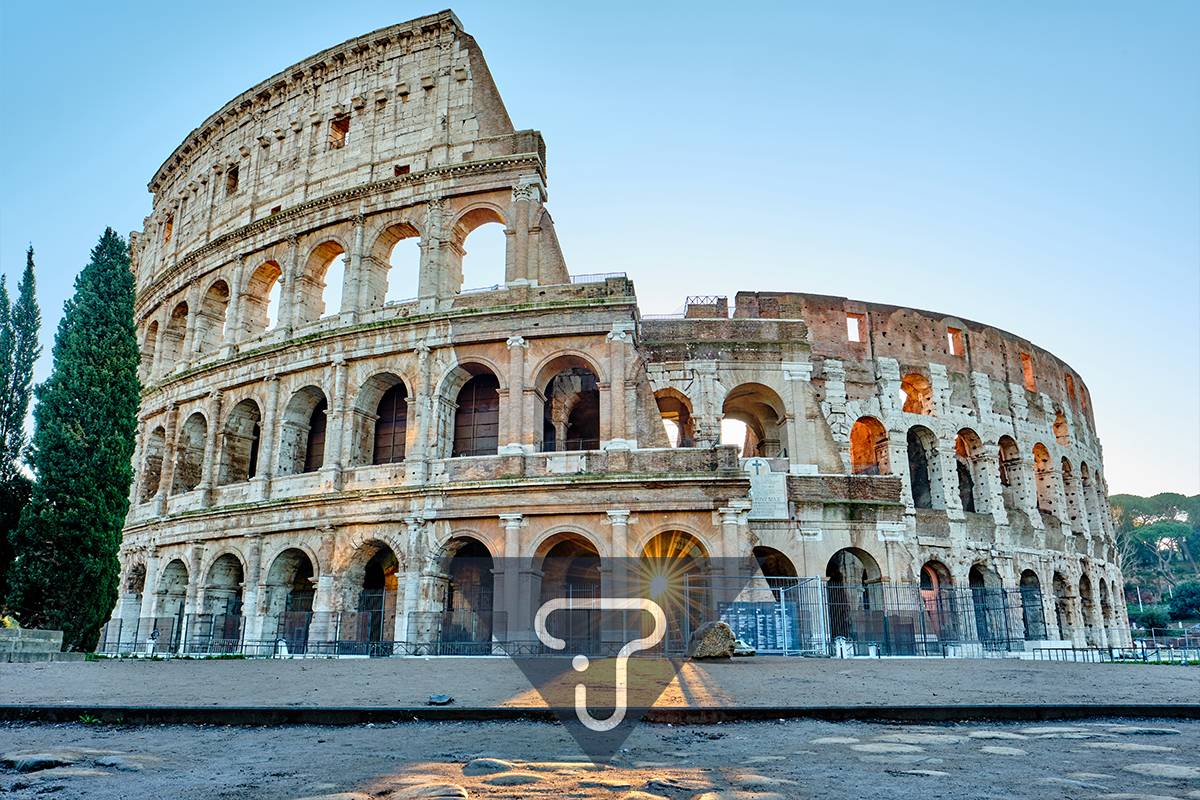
(257, 716)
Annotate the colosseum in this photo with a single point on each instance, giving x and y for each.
(324, 466)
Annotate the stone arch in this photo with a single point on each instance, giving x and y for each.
(776, 568)
(939, 600)
(1087, 609)
(1071, 492)
(154, 449)
(1012, 473)
(1064, 606)
(147, 352)
(569, 386)
(210, 318)
(288, 593)
(370, 584)
(1044, 471)
(465, 596)
(674, 570)
(675, 409)
(464, 276)
(968, 458)
(916, 394)
(869, 447)
(569, 566)
(924, 468)
(987, 598)
(302, 432)
(853, 565)
(1106, 612)
(854, 593)
(189, 463)
(320, 283)
(171, 590)
(223, 581)
(1091, 502)
(1033, 609)
(173, 336)
(260, 299)
(552, 536)
(470, 424)
(1062, 432)
(240, 443)
(392, 271)
(380, 425)
(762, 411)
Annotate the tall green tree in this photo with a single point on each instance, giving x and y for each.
(65, 570)
(19, 349)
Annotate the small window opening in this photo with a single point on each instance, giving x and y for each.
(276, 209)
(168, 228)
(1070, 390)
(231, 181)
(856, 327)
(1027, 370)
(338, 128)
(954, 338)
(400, 169)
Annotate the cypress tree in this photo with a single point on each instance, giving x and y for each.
(65, 571)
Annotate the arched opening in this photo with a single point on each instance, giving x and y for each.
(260, 302)
(290, 588)
(762, 411)
(676, 412)
(1011, 473)
(484, 267)
(319, 292)
(987, 598)
(1106, 613)
(1033, 611)
(1091, 502)
(189, 464)
(1062, 607)
(376, 601)
(916, 394)
(571, 411)
(130, 632)
(1045, 479)
(1087, 607)
(1062, 432)
(467, 616)
(149, 344)
(172, 337)
(399, 250)
(776, 569)
(477, 415)
(171, 602)
(938, 601)
(855, 595)
(968, 457)
(674, 571)
(571, 570)
(391, 426)
(302, 432)
(223, 604)
(869, 447)
(924, 468)
(210, 320)
(239, 443)
(1069, 383)
(152, 462)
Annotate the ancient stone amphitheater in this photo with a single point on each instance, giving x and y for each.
(325, 466)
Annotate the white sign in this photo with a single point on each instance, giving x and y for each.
(768, 490)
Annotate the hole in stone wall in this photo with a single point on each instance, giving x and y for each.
(339, 129)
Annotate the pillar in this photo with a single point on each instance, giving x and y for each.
(353, 285)
(289, 284)
(514, 409)
(235, 312)
(188, 350)
(170, 447)
(618, 433)
(208, 468)
(336, 433)
(516, 608)
(252, 616)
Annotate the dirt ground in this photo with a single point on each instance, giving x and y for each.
(479, 682)
(1114, 759)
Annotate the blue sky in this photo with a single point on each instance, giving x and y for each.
(1032, 165)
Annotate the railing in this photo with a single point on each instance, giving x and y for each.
(596, 277)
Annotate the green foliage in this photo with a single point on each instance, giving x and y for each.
(65, 572)
(1185, 600)
(1150, 617)
(1158, 538)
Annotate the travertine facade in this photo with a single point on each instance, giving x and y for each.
(295, 462)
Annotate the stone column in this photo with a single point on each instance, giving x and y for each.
(618, 428)
(289, 285)
(252, 616)
(149, 596)
(515, 606)
(420, 420)
(209, 468)
(353, 284)
(139, 444)
(733, 534)
(188, 351)
(170, 449)
(235, 312)
(517, 268)
(336, 433)
(987, 476)
(801, 458)
(268, 450)
(429, 286)
(515, 407)
(407, 604)
(192, 596)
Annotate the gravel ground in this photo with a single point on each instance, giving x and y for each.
(1114, 759)
(495, 682)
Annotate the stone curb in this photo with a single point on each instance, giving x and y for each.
(255, 716)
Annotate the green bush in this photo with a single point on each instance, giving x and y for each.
(1150, 617)
(1185, 601)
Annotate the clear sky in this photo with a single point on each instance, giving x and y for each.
(1031, 165)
